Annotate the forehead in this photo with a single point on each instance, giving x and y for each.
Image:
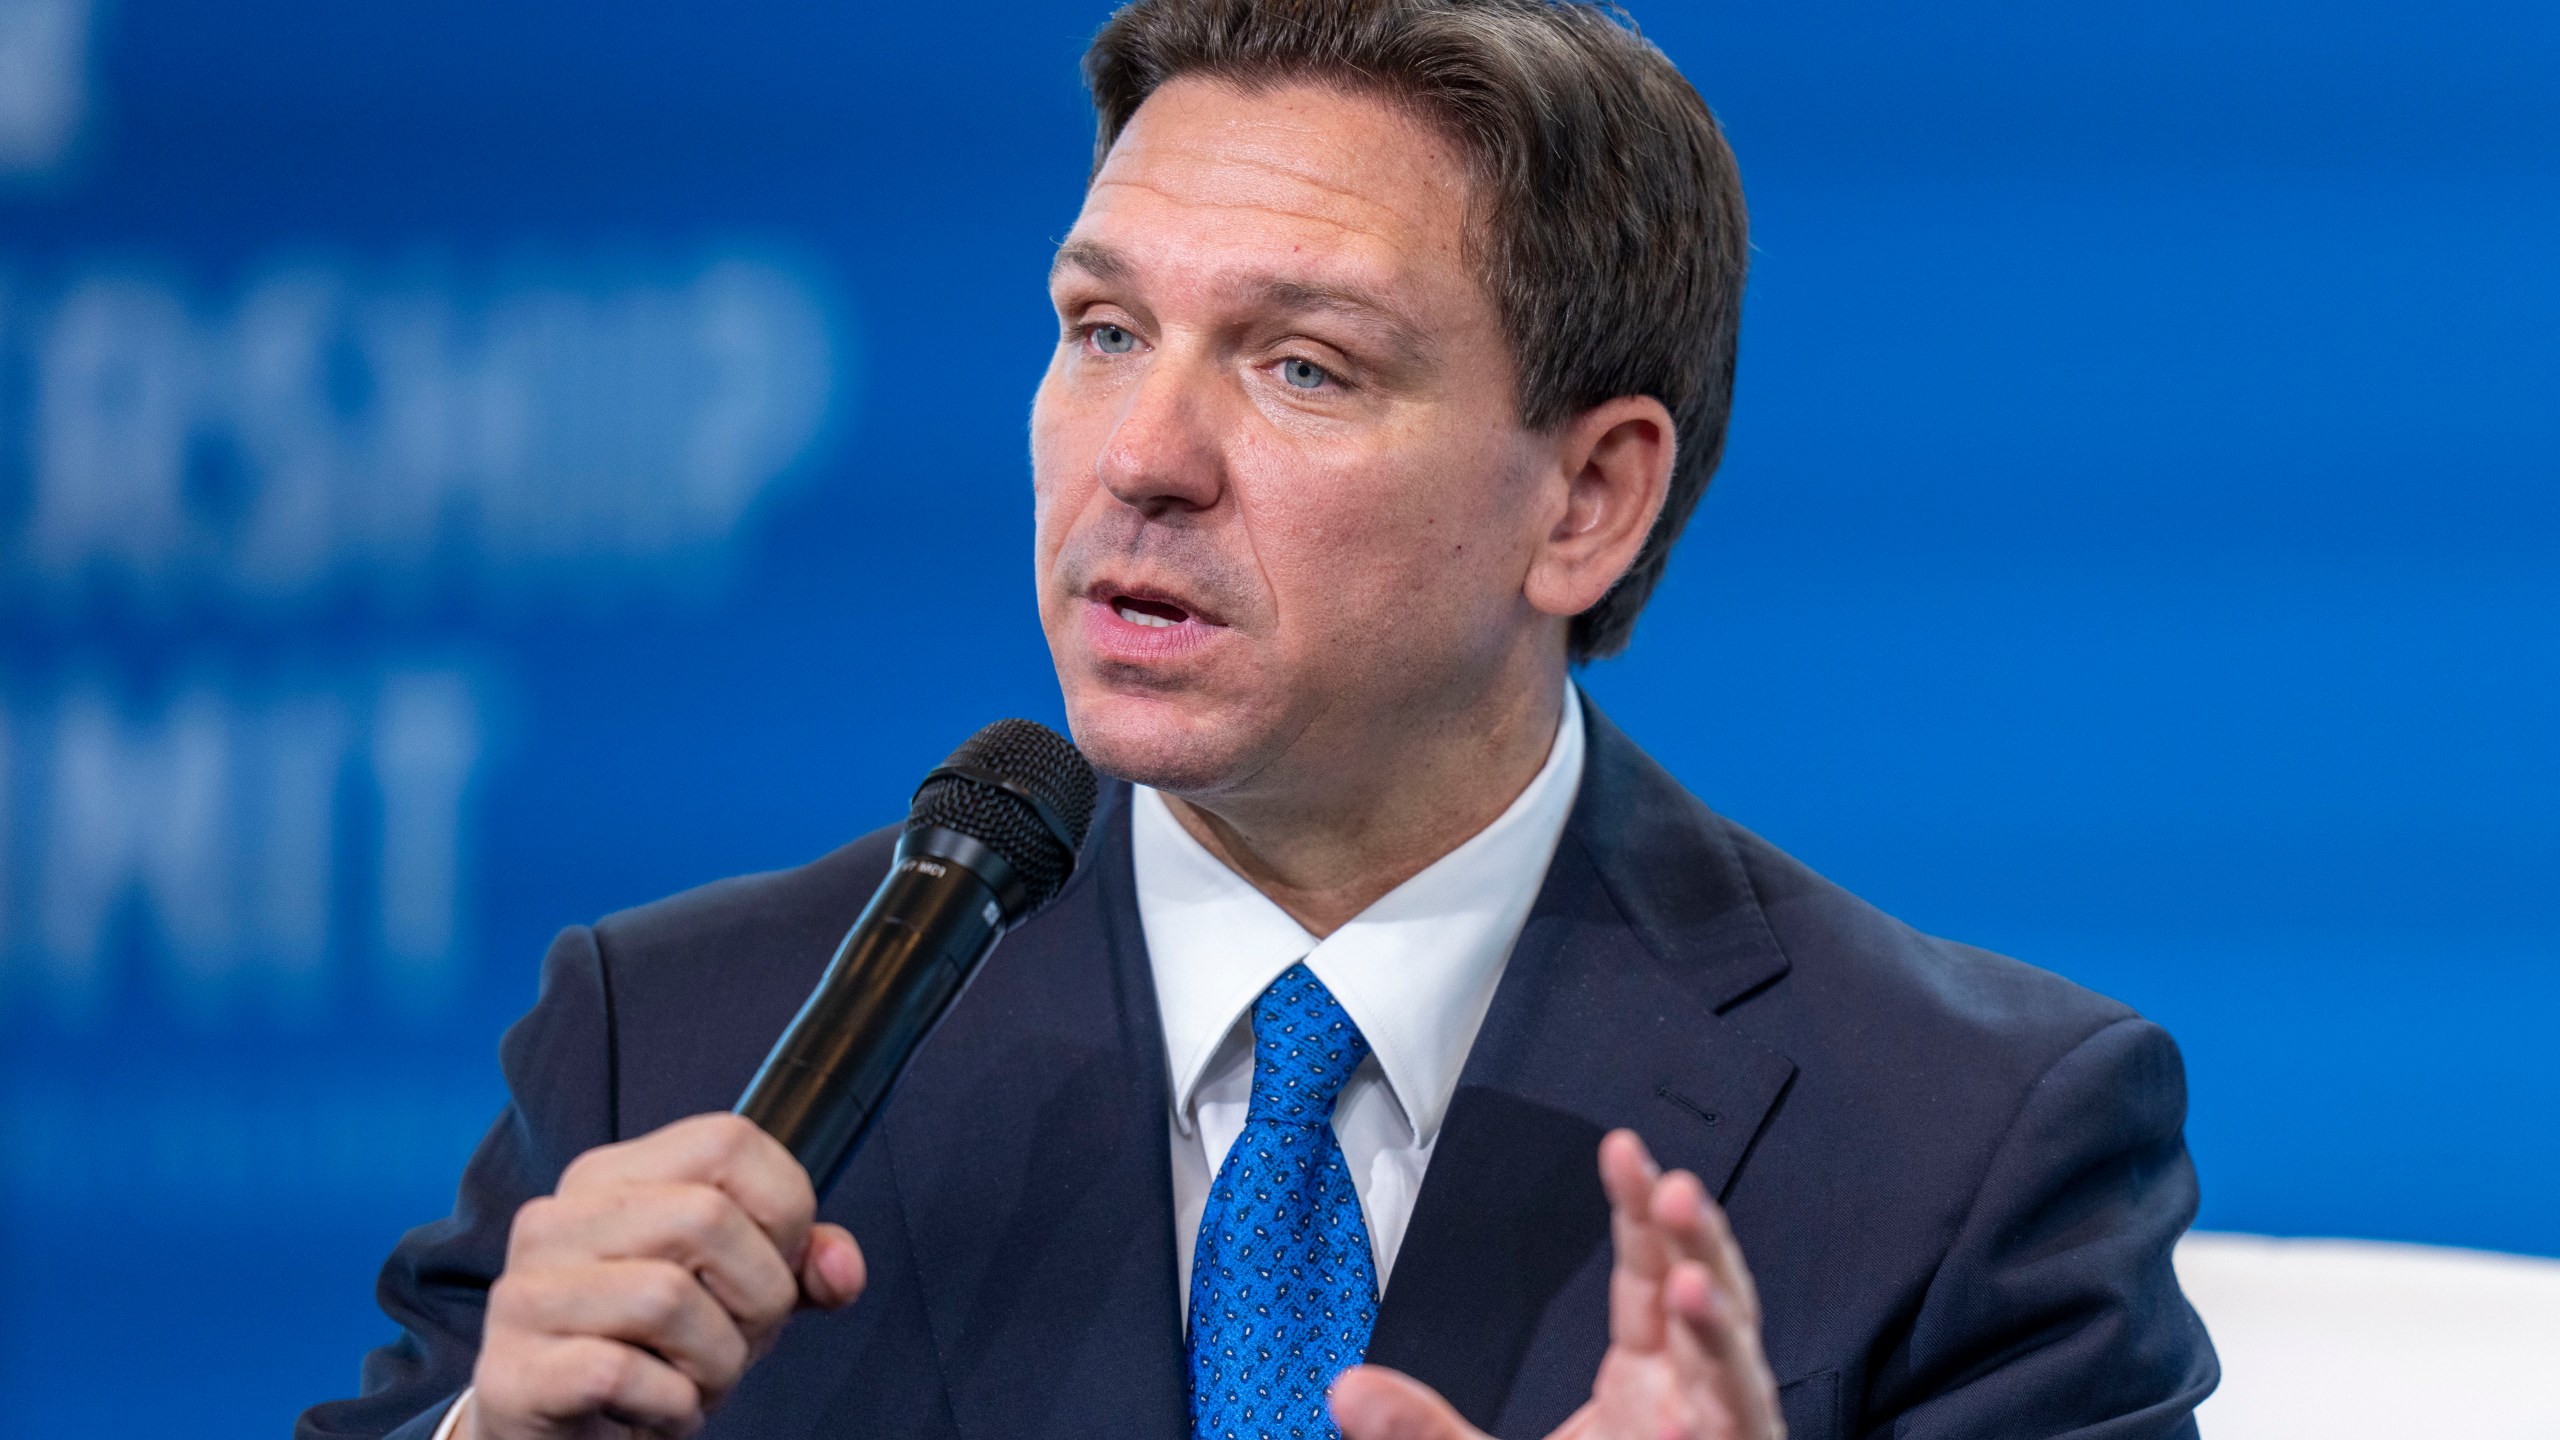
(1210, 181)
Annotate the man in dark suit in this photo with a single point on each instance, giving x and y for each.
(1396, 346)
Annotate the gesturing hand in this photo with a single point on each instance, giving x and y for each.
(636, 1296)
(1684, 1355)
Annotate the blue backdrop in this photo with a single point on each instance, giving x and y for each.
(468, 467)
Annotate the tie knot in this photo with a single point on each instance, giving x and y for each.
(1304, 1048)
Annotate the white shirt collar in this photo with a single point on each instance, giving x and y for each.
(1415, 971)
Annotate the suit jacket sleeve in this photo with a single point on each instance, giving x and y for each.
(558, 1062)
(2056, 1313)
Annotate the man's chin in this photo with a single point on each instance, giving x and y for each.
(1162, 743)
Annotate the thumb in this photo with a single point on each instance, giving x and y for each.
(1371, 1402)
(831, 1268)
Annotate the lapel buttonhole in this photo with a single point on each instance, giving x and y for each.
(1685, 1103)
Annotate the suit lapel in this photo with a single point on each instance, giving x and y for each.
(1608, 1015)
(1029, 1145)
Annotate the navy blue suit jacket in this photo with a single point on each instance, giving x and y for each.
(1957, 1179)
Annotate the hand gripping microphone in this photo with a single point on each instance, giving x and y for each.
(991, 837)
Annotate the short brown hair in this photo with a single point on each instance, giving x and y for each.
(1611, 229)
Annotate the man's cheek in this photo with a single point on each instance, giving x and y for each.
(1057, 506)
(1336, 516)
(1062, 453)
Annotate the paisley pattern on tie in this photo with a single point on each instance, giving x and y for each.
(1283, 1287)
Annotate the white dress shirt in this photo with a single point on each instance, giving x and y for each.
(1415, 971)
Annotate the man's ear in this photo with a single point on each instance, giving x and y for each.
(1615, 460)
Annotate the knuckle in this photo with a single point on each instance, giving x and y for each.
(742, 1150)
(768, 1301)
(597, 1374)
(733, 1137)
(661, 1293)
(760, 1330)
(582, 1170)
(800, 1201)
(506, 1297)
(538, 1221)
(726, 1361)
(696, 1214)
(520, 1298)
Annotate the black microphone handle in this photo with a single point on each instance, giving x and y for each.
(937, 914)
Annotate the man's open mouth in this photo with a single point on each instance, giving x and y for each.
(1155, 614)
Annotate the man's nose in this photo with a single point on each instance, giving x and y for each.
(1164, 453)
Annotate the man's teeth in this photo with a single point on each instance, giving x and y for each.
(1141, 617)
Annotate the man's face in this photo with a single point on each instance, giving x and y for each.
(1285, 501)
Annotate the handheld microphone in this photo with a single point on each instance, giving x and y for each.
(990, 838)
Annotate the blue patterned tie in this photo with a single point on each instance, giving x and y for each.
(1283, 1289)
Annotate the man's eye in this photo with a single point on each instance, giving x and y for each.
(1304, 374)
(1113, 340)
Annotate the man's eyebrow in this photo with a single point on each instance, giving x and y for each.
(1093, 258)
(1400, 332)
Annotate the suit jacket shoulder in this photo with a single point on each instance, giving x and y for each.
(1958, 1178)
(1849, 958)
(698, 984)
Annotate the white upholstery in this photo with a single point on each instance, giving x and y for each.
(2356, 1340)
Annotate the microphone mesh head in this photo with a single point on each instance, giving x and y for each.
(1034, 760)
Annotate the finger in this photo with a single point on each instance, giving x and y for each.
(1640, 1260)
(1694, 1228)
(832, 1273)
(724, 1150)
(1704, 1330)
(1715, 1353)
(1371, 1402)
(1713, 1313)
(569, 1380)
(654, 1304)
(696, 1225)
(1627, 1173)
